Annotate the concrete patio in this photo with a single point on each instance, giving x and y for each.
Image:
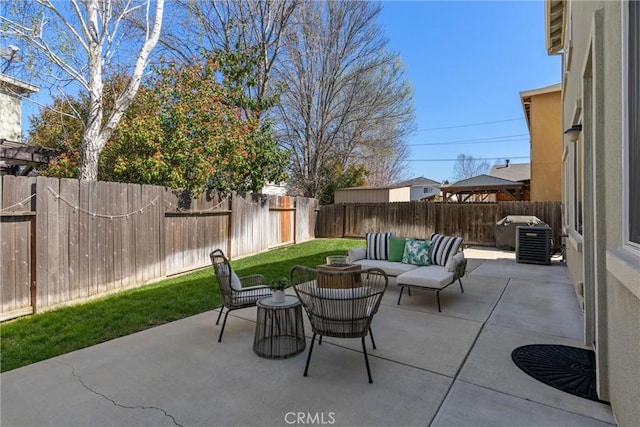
(443, 369)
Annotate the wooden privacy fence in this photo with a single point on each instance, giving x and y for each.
(65, 240)
(474, 222)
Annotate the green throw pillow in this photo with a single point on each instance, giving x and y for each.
(416, 252)
(396, 248)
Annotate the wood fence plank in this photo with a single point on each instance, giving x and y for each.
(53, 238)
(8, 246)
(69, 227)
(159, 208)
(85, 242)
(102, 237)
(23, 189)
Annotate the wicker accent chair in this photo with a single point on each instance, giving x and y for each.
(237, 292)
(340, 304)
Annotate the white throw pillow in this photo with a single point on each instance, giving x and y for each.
(236, 285)
(453, 261)
(357, 253)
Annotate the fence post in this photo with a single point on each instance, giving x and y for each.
(295, 220)
(344, 219)
(229, 225)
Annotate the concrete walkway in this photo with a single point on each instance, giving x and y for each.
(443, 369)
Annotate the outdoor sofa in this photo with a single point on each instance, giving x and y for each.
(430, 264)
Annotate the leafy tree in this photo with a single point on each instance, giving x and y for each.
(184, 130)
(76, 42)
(342, 94)
(340, 177)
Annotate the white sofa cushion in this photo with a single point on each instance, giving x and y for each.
(389, 267)
(433, 276)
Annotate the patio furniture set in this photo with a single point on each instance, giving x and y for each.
(340, 299)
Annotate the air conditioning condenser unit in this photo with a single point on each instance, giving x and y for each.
(533, 245)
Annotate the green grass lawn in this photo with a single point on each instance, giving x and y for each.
(33, 338)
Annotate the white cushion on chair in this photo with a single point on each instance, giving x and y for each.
(256, 292)
(433, 277)
(341, 304)
(236, 285)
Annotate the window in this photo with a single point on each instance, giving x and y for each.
(633, 119)
(577, 182)
(425, 190)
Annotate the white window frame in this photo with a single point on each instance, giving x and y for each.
(626, 243)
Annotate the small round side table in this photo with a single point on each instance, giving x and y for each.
(279, 328)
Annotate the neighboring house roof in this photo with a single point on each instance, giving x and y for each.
(512, 171)
(481, 181)
(525, 99)
(419, 181)
(554, 14)
(17, 86)
(387, 187)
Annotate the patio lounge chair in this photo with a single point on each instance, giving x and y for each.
(344, 312)
(237, 292)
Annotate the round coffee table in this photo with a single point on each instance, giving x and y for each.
(279, 328)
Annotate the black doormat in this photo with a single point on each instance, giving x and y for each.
(570, 369)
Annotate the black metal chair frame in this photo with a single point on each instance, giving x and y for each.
(336, 316)
(254, 287)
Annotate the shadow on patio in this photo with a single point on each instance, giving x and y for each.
(444, 369)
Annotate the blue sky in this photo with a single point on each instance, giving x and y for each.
(468, 62)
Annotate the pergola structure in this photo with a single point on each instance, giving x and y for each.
(481, 187)
(15, 154)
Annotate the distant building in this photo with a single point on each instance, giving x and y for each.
(516, 172)
(17, 158)
(483, 188)
(11, 93)
(421, 188)
(543, 111)
(415, 189)
(274, 189)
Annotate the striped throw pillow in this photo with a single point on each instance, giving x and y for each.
(378, 245)
(442, 248)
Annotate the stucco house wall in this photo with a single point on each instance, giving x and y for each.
(546, 147)
(372, 195)
(422, 192)
(604, 266)
(11, 106)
